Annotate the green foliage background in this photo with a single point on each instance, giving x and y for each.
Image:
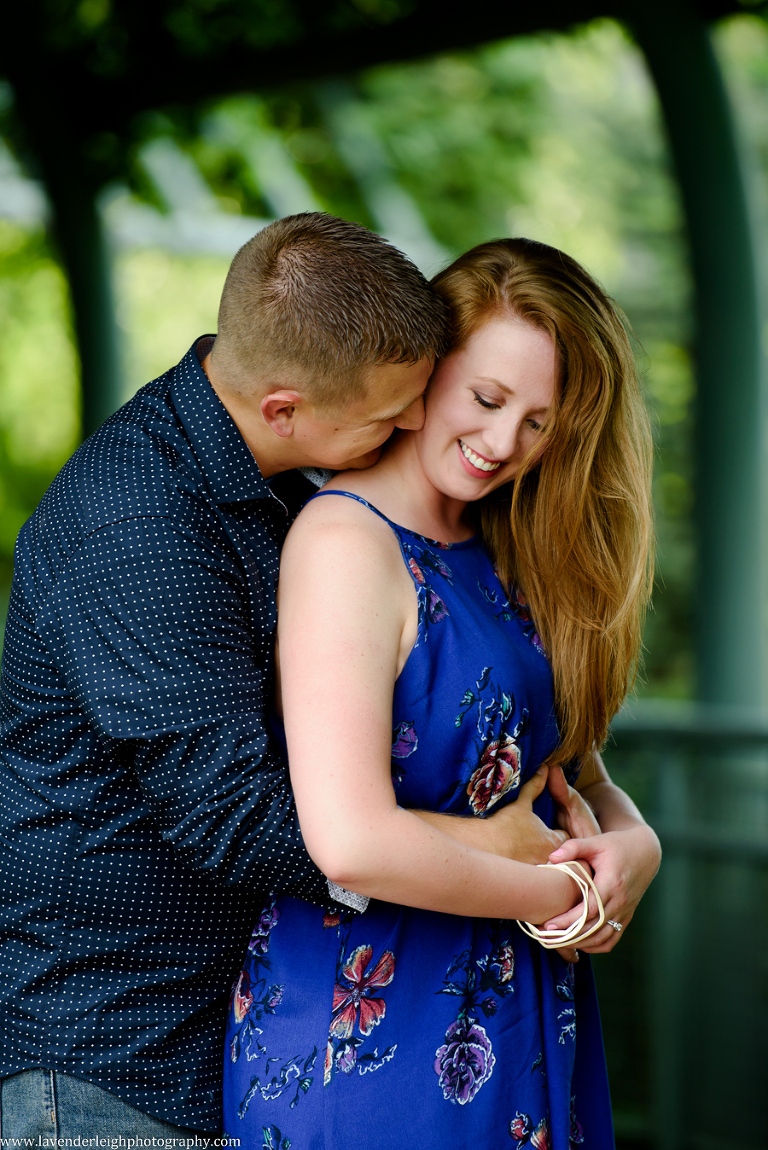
(556, 136)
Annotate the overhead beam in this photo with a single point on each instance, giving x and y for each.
(152, 69)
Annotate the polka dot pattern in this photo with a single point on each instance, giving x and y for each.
(143, 810)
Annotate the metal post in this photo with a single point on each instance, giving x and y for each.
(730, 453)
(86, 259)
(716, 1001)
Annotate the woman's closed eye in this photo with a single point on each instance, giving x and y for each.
(486, 403)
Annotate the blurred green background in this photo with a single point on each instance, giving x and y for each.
(560, 137)
(556, 137)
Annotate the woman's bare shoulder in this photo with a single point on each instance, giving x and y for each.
(336, 524)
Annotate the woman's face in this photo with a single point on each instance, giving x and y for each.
(486, 405)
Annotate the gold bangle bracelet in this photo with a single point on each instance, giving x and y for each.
(574, 934)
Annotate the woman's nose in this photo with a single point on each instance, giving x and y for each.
(504, 442)
(412, 419)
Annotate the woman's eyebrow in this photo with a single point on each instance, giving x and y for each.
(497, 382)
(503, 386)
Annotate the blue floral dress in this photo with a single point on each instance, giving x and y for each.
(404, 1028)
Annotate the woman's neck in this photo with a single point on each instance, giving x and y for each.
(398, 487)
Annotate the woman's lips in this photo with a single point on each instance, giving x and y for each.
(475, 463)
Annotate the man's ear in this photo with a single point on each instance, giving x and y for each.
(278, 410)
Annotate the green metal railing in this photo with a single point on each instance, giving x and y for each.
(685, 1008)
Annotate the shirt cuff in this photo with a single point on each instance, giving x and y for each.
(358, 902)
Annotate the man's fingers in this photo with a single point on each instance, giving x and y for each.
(558, 787)
(568, 953)
(531, 790)
(570, 850)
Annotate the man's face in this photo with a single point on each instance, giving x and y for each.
(353, 438)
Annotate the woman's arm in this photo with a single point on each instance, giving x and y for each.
(624, 858)
(343, 618)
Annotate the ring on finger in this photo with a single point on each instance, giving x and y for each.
(612, 922)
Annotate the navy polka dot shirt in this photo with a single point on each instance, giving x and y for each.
(143, 810)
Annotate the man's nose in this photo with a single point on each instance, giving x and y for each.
(412, 419)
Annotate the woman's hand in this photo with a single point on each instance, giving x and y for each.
(624, 863)
(577, 820)
(607, 831)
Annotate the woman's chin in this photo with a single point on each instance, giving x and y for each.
(470, 489)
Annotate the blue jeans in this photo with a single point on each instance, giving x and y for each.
(40, 1106)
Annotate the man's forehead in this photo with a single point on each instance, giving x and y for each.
(392, 388)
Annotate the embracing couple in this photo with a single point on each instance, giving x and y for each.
(459, 617)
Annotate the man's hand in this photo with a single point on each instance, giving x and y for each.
(574, 814)
(577, 819)
(514, 832)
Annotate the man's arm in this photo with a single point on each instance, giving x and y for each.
(152, 628)
(514, 832)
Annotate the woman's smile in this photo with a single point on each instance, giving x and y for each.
(477, 464)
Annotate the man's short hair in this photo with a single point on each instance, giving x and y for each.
(312, 301)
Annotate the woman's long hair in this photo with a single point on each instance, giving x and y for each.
(574, 530)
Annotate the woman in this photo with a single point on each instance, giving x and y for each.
(443, 632)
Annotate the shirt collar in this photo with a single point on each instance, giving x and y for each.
(226, 460)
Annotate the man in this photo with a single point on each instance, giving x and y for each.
(144, 811)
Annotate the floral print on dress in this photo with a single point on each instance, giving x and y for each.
(259, 943)
(432, 608)
(575, 1129)
(466, 1060)
(254, 998)
(274, 1140)
(567, 1016)
(357, 1005)
(353, 1002)
(522, 1130)
(498, 767)
(404, 742)
(513, 606)
(540, 1136)
(497, 773)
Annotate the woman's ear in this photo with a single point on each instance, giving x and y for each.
(279, 410)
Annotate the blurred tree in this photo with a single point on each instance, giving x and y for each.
(556, 137)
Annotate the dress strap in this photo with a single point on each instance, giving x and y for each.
(395, 528)
(359, 498)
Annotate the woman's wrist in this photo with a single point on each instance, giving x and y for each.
(559, 892)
